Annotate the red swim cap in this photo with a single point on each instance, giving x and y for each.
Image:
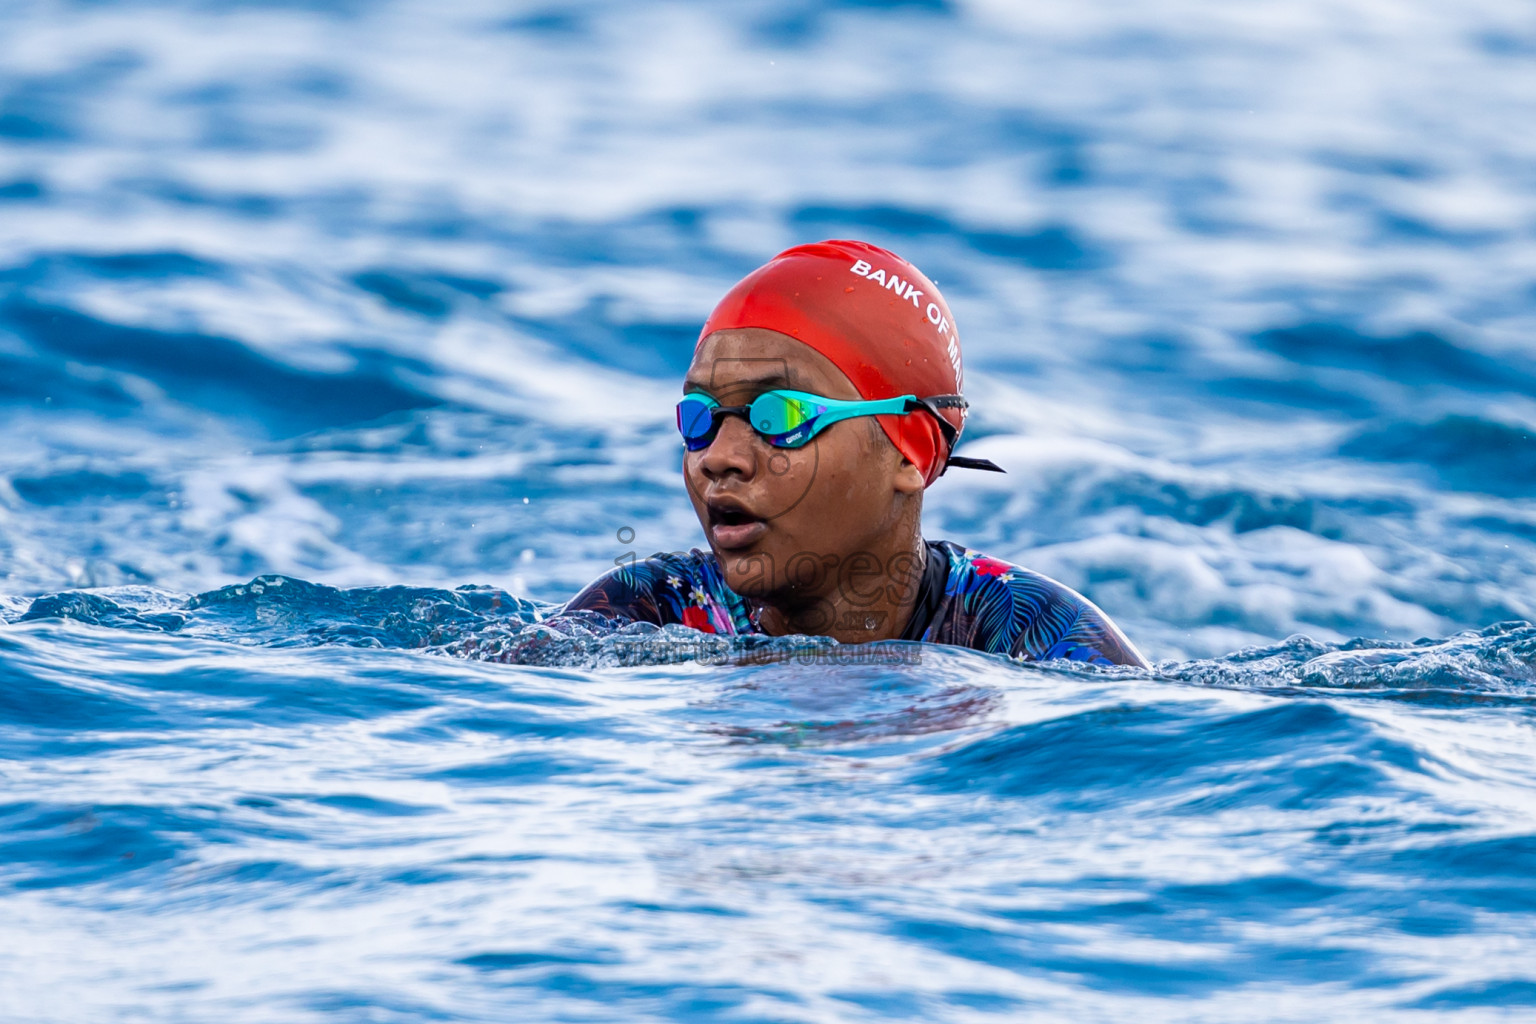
(875, 316)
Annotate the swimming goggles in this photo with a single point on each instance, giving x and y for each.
(789, 419)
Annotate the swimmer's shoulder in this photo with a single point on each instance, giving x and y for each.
(998, 606)
(668, 587)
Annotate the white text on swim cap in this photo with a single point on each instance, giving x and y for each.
(904, 289)
(934, 314)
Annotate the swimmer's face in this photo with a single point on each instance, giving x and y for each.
(781, 520)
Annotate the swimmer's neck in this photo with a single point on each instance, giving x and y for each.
(854, 610)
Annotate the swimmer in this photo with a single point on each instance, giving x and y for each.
(823, 398)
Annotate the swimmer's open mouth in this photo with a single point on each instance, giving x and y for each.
(728, 513)
(733, 526)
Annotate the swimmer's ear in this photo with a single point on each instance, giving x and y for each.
(908, 479)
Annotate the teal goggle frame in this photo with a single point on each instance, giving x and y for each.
(790, 419)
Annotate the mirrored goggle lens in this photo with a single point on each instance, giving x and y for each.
(777, 415)
(695, 421)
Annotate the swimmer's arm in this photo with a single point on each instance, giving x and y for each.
(624, 593)
(1090, 636)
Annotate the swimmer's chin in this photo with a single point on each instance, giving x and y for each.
(744, 574)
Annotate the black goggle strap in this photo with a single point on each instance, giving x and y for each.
(933, 404)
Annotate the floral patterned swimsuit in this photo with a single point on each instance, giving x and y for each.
(964, 599)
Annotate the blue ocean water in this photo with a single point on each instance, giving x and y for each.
(339, 338)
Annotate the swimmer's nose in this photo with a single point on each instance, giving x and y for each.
(735, 449)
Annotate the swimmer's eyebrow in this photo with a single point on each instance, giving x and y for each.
(768, 382)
